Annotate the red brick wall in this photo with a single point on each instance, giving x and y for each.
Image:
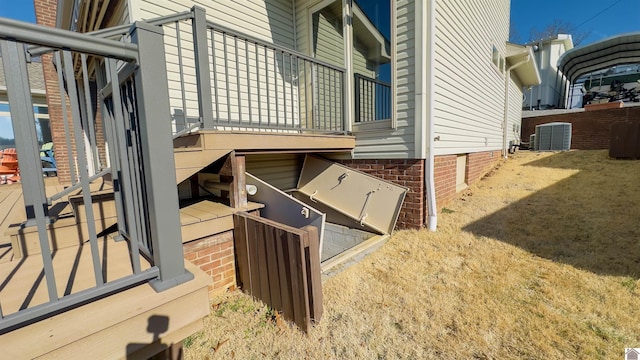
(478, 164)
(445, 168)
(445, 178)
(589, 130)
(46, 15)
(405, 172)
(214, 255)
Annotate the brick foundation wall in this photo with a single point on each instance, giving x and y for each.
(214, 255)
(479, 164)
(444, 167)
(590, 130)
(404, 172)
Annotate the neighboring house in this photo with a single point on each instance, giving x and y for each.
(38, 94)
(548, 95)
(423, 97)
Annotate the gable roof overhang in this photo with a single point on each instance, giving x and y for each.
(64, 13)
(366, 33)
(565, 39)
(370, 36)
(616, 50)
(527, 71)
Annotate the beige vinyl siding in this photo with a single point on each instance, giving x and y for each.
(268, 20)
(237, 99)
(385, 143)
(329, 48)
(514, 117)
(397, 143)
(281, 170)
(469, 93)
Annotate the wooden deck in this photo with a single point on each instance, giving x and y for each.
(206, 217)
(12, 210)
(22, 284)
(131, 314)
(132, 324)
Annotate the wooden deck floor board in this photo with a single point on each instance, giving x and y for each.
(73, 269)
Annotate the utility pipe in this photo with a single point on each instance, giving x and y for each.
(505, 123)
(429, 168)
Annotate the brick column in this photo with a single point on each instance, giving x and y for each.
(445, 167)
(46, 15)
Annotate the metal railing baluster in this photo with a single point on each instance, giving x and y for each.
(181, 72)
(136, 176)
(238, 92)
(65, 118)
(246, 62)
(215, 74)
(293, 105)
(89, 121)
(119, 146)
(284, 88)
(84, 173)
(255, 47)
(226, 75)
(324, 99)
(275, 84)
(108, 121)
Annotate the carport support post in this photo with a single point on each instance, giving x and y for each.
(570, 95)
(158, 164)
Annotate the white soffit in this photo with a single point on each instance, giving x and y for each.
(527, 72)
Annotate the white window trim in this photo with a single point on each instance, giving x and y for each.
(387, 124)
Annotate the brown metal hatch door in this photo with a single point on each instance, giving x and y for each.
(361, 200)
(280, 265)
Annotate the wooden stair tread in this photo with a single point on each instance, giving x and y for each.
(206, 218)
(115, 322)
(73, 269)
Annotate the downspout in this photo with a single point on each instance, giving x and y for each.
(429, 168)
(505, 123)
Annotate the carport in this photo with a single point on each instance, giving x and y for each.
(616, 50)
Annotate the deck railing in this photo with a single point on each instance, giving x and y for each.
(132, 99)
(256, 84)
(373, 99)
(220, 78)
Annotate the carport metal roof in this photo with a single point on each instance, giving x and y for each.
(616, 50)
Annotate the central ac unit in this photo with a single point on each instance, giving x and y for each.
(553, 137)
(532, 142)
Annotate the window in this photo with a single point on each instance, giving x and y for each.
(497, 59)
(495, 56)
(372, 60)
(43, 132)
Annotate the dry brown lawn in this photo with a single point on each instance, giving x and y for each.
(540, 260)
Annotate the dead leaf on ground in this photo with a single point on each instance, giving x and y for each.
(219, 344)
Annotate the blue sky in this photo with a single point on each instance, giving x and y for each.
(622, 16)
(602, 18)
(17, 9)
